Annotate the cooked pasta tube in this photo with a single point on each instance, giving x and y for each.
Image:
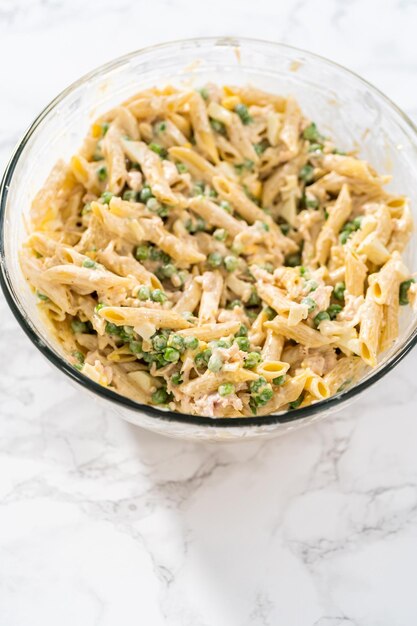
(371, 320)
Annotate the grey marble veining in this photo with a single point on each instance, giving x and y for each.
(104, 524)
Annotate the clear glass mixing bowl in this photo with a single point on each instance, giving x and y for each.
(345, 107)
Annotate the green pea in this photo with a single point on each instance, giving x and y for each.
(320, 317)
(260, 147)
(223, 343)
(254, 299)
(225, 205)
(403, 292)
(145, 194)
(159, 396)
(334, 310)
(102, 173)
(315, 147)
(161, 127)
(169, 270)
(312, 304)
(202, 358)
(204, 93)
(285, 229)
(339, 291)
(128, 332)
(214, 259)
(344, 236)
(270, 313)
(98, 307)
(42, 296)
(171, 355)
(242, 332)
(86, 209)
(348, 229)
(155, 254)
(157, 295)
(89, 263)
(79, 356)
(215, 363)
(265, 395)
(135, 347)
(255, 385)
(243, 343)
(218, 127)
(312, 134)
(130, 195)
(176, 378)
(78, 327)
(191, 343)
(198, 189)
(252, 360)
(306, 173)
(311, 203)
(251, 314)
(112, 329)
(243, 113)
(104, 128)
(231, 263)
(187, 315)
(153, 205)
(190, 226)
(296, 403)
(220, 234)
(142, 252)
(311, 285)
(106, 197)
(144, 293)
(176, 341)
(159, 342)
(212, 193)
(182, 168)
(158, 149)
(279, 380)
(200, 225)
(234, 303)
(226, 389)
(268, 267)
(237, 247)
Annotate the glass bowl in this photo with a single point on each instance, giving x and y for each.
(345, 107)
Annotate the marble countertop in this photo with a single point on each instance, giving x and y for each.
(103, 524)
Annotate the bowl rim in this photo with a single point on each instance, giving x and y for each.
(112, 396)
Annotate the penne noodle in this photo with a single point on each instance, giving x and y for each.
(134, 316)
(371, 320)
(301, 333)
(209, 332)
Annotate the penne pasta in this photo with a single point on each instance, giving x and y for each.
(371, 320)
(301, 333)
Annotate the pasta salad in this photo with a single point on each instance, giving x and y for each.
(212, 252)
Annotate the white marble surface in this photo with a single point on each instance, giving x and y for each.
(102, 524)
